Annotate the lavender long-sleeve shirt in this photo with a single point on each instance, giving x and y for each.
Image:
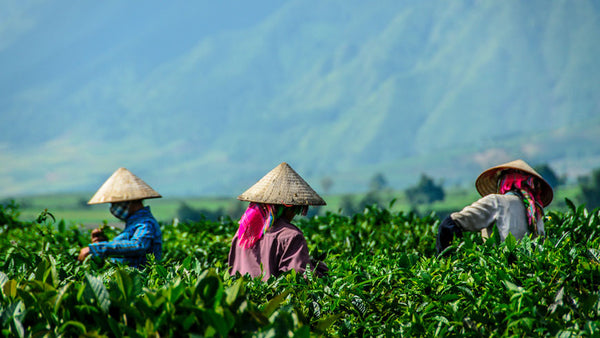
(281, 248)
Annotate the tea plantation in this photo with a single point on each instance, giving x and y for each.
(384, 280)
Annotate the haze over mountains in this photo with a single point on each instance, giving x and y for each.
(205, 100)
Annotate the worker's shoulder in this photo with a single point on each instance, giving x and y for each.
(506, 198)
(284, 229)
(508, 201)
(499, 198)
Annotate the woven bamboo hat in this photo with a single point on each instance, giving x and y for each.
(487, 182)
(123, 186)
(282, 185)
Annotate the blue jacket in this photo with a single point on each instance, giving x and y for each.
(140, 237)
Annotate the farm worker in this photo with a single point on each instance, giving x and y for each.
(514, 198)
(267, 243)
(141, 236)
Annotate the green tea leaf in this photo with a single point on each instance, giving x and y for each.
(570, 205)
(98, 293)
(512, 287)
(275, 302)
(124, 284)
(3, 278)
(10, 288)
(511, 242)
(234, 291)
(79, 326)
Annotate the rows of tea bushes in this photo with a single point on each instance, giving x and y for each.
(384, 280)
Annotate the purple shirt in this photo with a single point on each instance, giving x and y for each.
(280, 249)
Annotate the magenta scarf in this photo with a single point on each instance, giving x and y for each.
(254, 223)
(523, 186)
(258, 218)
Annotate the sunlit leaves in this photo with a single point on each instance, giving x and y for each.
(384, 279)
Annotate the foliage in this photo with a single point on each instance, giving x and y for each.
(549, 175)
(189, 214)
(384, 280)
(9, 214)
(590, 189)
(378, 182)
(378, 194)
(426, 191)
(326, 183)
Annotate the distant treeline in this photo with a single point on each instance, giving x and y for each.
(425, 192)
(425, 196)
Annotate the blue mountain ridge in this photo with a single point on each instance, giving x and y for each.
(343, 89)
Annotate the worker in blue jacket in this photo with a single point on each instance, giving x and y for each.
(142, 235)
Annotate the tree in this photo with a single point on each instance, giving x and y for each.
(347, 205)
(549, 175)
(188, 214)
(378, 182)
(326, 183)
(372, 197)
(590, 189)
(426, 191)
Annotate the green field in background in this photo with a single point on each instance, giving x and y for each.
(73, 208)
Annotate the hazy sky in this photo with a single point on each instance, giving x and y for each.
(229, 89)
(44, 41)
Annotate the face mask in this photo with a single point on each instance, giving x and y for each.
(120, 210)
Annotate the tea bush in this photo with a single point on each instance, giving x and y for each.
(384, 280)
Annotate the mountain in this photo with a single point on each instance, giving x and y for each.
(344, 89)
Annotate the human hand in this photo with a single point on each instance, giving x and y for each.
(98, 236)
(83, 253)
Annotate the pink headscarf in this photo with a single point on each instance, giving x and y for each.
(258, 218)
(524, 186)
(254, 223)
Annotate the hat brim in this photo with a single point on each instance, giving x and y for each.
(123, 186)
(487, 182)
(282, 185)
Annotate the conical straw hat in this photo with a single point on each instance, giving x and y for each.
(282, 185)
(487, 182)
(123, 186)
